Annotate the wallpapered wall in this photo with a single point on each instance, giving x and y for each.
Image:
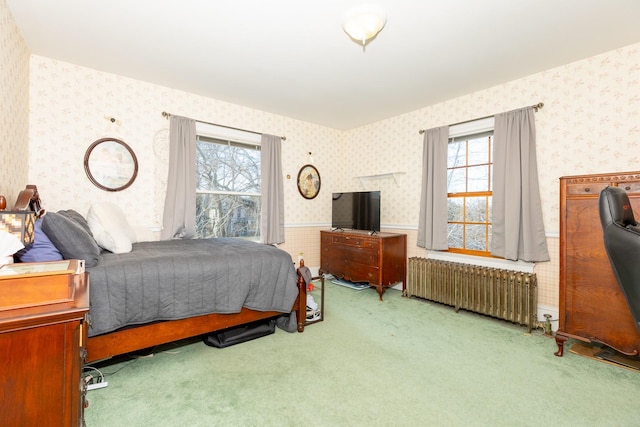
(590, 123)
(14, 107)
(68, 108)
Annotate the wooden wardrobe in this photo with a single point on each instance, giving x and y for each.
(592, 305)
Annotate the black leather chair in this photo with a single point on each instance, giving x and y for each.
(622, 242)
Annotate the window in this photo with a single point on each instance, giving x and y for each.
(227, 188)
(469, 188)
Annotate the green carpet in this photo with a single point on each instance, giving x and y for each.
(400, 362)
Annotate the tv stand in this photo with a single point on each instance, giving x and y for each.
(359, 256)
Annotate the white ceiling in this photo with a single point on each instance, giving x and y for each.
(291, 57)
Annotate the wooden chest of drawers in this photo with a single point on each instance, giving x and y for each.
(43, 334)
(380, 259)
(592, 305)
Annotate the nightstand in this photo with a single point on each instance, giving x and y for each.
(43, 332)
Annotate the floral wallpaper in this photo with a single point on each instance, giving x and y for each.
(590, 123)
(14, 107)
(71, 107)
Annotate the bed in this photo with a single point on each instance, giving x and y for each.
(169, 290)
(144, 294)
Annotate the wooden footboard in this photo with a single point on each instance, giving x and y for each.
(105, 346)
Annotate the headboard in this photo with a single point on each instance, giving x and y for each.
(29, 199)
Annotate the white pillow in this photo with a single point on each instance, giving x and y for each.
(110, 227)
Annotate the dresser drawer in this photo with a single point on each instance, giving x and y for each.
(337, 267)
(367, 256)
(630, 187)
(355, 241)
(331, 254)
(588, 188)
(363, 273)
(326, 238)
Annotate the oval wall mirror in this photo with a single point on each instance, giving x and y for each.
(110, 164)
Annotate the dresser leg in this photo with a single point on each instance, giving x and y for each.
(560, 340)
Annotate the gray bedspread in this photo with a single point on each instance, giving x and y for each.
(176, 279)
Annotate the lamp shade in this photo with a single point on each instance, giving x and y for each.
(363, 22)
(20, 224)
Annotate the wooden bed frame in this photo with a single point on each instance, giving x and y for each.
(136, 338)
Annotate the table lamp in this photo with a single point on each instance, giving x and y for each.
(21, 226)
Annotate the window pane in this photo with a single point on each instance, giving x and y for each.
(455, 211)
(478, 151)
(220, 215)
(456, 154)
(476, 209)
(478, 178)
(456, 179)
(469, 184)
(227, 168)
(475, 237)
(228, 189)
(454, 238)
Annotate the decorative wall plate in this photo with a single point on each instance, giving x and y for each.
(110, 164)
(309, 181)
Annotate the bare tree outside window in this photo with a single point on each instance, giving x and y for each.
(469, 187)
(228, 189)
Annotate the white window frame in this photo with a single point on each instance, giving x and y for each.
(210, 130)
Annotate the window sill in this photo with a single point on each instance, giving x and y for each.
(522, 266)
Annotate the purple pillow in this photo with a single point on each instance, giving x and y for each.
(41, 250)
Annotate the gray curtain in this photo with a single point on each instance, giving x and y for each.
(272, 190)
(518, 229)
(432, 224)
(179, 218)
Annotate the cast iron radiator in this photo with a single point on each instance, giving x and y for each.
(504, 294)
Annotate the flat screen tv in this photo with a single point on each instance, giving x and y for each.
(359, 210)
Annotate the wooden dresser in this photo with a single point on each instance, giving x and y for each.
(380, 259)
(42, 338)
(592, 305)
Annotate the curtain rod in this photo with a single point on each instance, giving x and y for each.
(167, 115)
(535, 107)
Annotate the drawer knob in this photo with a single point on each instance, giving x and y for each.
(627, 188)
(586, 190)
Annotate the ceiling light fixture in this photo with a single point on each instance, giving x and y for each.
(363, 23)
